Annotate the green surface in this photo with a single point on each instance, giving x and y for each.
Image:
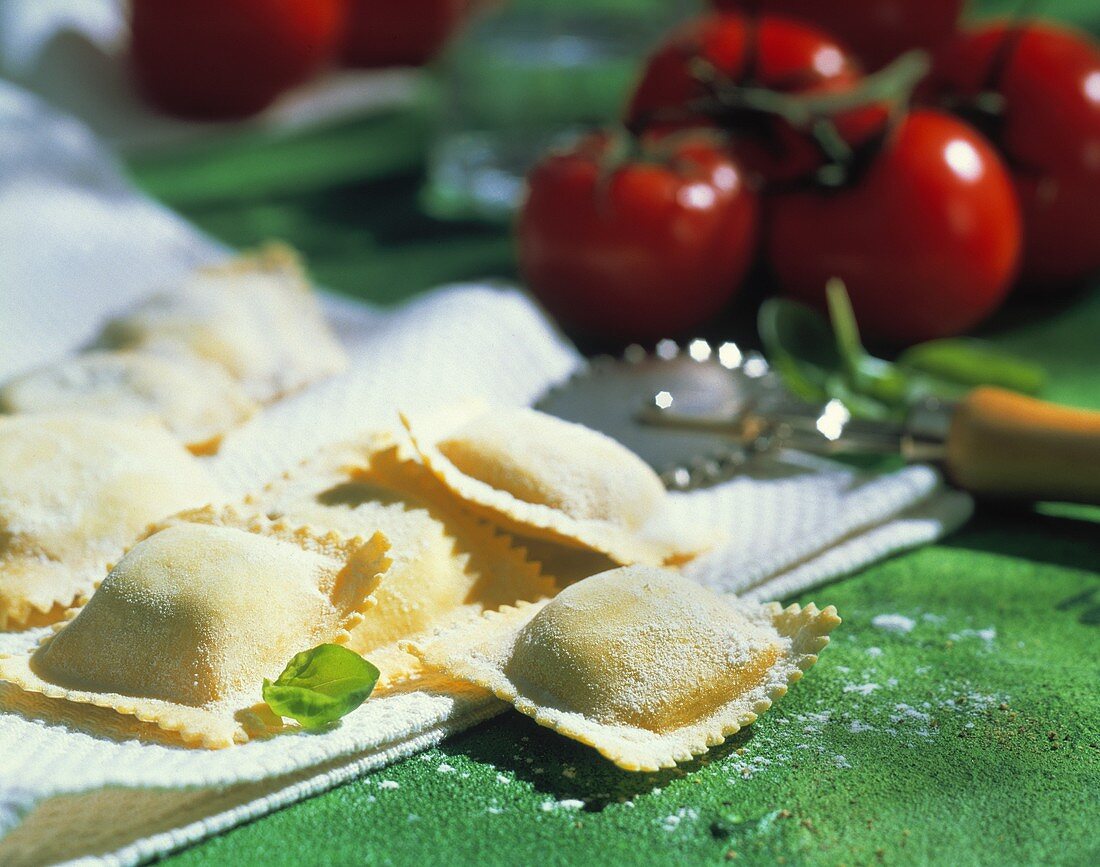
(979, 741)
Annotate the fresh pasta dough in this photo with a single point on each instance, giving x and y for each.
(195, 399)
(185, 628)
(540, 476)
(447, 566)
(255, 316)
(75, 490)
(641, 663)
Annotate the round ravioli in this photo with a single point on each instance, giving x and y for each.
(640, 663)
(544, 477)
(255, 316)
(75, 491)
(185, 628)
(195, 399)
(640, 647)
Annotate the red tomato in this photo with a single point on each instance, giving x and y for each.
(771, 53)
(399, 32)
(653, 249)
(876, 30)
(1048, 130)
(229, 58)
(926, 240)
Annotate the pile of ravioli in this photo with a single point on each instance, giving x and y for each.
(497, 547)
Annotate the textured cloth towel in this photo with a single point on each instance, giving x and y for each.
(76, 244)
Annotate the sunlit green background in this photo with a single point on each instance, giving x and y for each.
(979, 742)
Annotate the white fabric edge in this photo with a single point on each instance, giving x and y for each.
(145, 849)
(884, 497)
(921, 524)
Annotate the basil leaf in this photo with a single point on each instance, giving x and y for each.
(883, 381)
(819, 363)
(319, 686)
(861, 404)
(799, 346)
(874, 377)
(969, 362)
(848, 343)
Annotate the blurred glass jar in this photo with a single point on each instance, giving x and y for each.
(527, 75)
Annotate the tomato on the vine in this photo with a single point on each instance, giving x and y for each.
(639, 247)
(926, 238)
(407, 33)
(876, 30)
(217, 59)
(1034, 89)
(690, 79)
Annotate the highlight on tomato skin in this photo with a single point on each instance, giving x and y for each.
(877, 31)
(1034, 89)
(228, 59)
(683, 83)
(638, 248)
(926, 240)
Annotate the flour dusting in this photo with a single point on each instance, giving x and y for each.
(893, 622)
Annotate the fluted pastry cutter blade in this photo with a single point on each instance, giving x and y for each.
(707, 381)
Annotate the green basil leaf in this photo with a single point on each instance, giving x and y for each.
(867, 375)
(799, 346)
(861, 404)
(924, 385)
(846, 331)
(883, 381)
(319, 686)
(970, 362)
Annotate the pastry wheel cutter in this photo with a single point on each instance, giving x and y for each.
(698, 413)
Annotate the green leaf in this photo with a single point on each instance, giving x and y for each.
(319, 686)
(968, 362)
(861, 404)
(799, 346)
(848, 343)
(874, 377)
(819, 363)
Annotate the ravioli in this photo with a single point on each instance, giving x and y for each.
(255, 316)
(540, 476)
(75, 490)
(185, 628)
(447, 567)
(195, 399)
(642, 664)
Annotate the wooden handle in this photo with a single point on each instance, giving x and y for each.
(1002, 444)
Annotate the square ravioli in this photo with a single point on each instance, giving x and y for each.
(75, 491)
(183, 631)
(447, 566)
(255, 316)
(641, 663)
(539, 476)
(195, 399)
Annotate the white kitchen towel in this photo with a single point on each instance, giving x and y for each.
(73, 54)
(78, 243)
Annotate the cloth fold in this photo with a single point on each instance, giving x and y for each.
(79, 244)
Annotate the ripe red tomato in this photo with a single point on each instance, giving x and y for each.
(926, 240)
(768, 52)
(229, 58)
(652, 249)
(399, 32)
(1048, 130)
(876, 30)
